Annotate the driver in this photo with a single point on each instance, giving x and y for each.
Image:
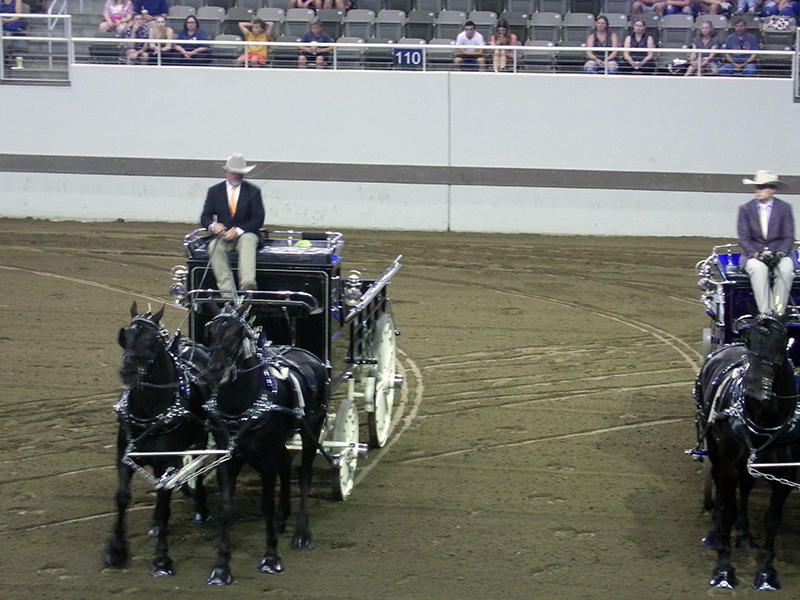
(234, 213)
(766, 235)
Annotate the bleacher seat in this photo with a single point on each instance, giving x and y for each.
(390, 24)
(210, 19)
(484, 23)
(545, 26)
(466, 6)
(495, 6)
(434, 6)
(517, 24)
(525, 7)
(350, 58)
(618, 23)
(379, 58)
(405, 5)
(374, 5)
(233, 16)
(273, 15)
(556, 6)
(617, 6)
(538, 61)
(332, 21)
(420, 24)
(440, 58)
(225, 56)
(297, 21)
(359, 23)
(449, 23)
(284, 56)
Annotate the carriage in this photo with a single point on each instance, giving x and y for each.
(727, 295)
(303, 299)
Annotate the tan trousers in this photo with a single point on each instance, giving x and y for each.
(246, 246)
(771, 299)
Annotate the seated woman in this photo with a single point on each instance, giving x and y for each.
(601, 37)
(503, 37)
(12, 24)
(160, 31)
(257, 31)
(117, 15)
(706, 39)
(188, 44)
(642, 60)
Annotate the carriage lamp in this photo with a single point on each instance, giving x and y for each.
(178, 288)
(352, 288)
(706, 284)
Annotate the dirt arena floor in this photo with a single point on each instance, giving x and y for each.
(538, 450)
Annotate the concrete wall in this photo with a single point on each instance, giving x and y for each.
(427, 151)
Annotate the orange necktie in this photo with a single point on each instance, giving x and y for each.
(232, 203)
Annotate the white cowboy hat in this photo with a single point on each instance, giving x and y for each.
(237, 164)
(764, 178)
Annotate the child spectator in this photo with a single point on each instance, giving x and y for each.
(257, 31)
(117, 15)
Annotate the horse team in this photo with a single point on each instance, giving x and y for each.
(249, 395)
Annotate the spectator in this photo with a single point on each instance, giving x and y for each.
(677, 7)
(503, 37)
(340, 5)
(601, 37)
(470, 56)
(748, 6)
(639, 6)
(160, 31)
(740, 64)
(788, 8)
(711, 7)
(117, 15)
(234, 213)
(12, 24)
(641, 60)
(137, 51)
(151, 8)
(311, 4)
(313, 52)
(257, 31)
(707, 39)
(188, 44)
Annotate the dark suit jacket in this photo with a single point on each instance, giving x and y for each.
(249, 208)
(780, 230)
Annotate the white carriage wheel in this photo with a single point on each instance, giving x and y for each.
(384, 349)
(706, 346)
(345, 430)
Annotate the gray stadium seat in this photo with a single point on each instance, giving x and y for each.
(420, 24)
(545, 26)
(484, 23)
(350, 58)
(440, 59)
(210, 19)
(359, 23)
(225, 56)
(537, 61)
(332, 21)
(297, 21)
(390, 24)
(449, 23)
(234, 16)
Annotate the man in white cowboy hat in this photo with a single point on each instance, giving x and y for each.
(234, 213)
(766, 235)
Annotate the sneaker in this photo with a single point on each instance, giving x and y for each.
(752, 10)
(739, 11)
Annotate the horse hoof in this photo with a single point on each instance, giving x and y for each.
(766, 581)
(724, 579)
(116, 555)
(162, 572)
(746, 542)
(155, 531)
(219, 577)
(271, 565)
(303, 541)
(201, 519)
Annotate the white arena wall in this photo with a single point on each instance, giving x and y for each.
(533, 153)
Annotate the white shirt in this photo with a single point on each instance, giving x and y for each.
(764, 212)
(463, 40)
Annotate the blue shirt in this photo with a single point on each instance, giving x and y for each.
(153, 7)
(734, 42)
(322, 38)
(198, 35)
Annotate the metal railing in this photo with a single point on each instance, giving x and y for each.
(367, 56)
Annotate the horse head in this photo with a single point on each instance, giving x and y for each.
(231, 340)
(141, 341)
(766, 339)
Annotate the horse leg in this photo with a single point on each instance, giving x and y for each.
(724, 575)
(767, 577)
(201, 513)
(116, 553)
(303, 538)
(271, 563)
(744, 539)
(226, 480)
(162, 563)
(284, 510)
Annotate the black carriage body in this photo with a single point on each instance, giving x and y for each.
(727, 295)
(299, 301)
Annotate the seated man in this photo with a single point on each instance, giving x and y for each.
(766, 234)
(470, 56)
(740, 64)
(234, 213)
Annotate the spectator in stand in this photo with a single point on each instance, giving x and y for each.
(117, 15)
(601, 37)
(341, 5)
(137, 52)
(748, 6)
(708, 40)
(313, 52)
(676, 7)
(312, 4)
(657, 6)
(740, 64)
(12, 24)
(160, 31)
(788, 8)
(188, 44)
(257, 31)
(469, 55)
(503, 37)
(151, 8)
(642, 59)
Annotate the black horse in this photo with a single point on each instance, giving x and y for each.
(263, 394)
(161, 410)
(747, 396)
